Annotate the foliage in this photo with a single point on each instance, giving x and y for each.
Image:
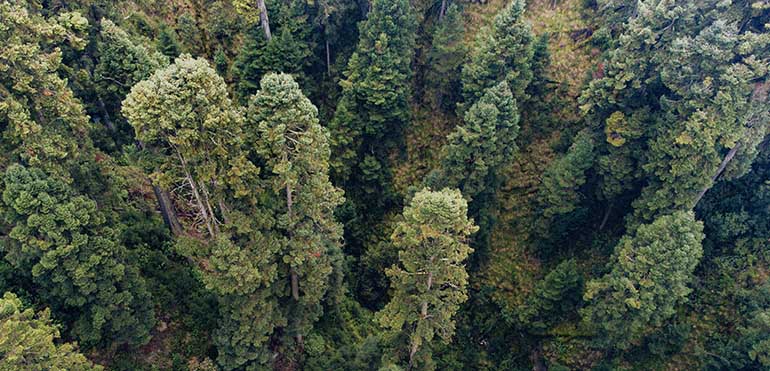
(27, 341)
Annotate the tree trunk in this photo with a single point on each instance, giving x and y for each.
(442, 12)
(537, 359)
(198, 199)
(423, 316)
(167, 210)
(328, 59)
(263, 19)
(729, 157)
(106, 115)
(606, 216)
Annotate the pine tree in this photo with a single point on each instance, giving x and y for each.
(559, 193)
(76, 261)
(295, 149)
(430, 283)
(445, 60)
(482, 144)
(184, 112)
(27, 341)
(288, 50)
(556, 294)
(167, 43)
(503, 53)
(44, 125)
(651, 270)
(122, 63)
(374, 110)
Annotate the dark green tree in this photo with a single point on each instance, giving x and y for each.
(649, 278)
(75, 259)
(445, 60)
(374, 108)
(296, 153)
(502, 53)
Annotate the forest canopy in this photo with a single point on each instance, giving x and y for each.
(385, 185)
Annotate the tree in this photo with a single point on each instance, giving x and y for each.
(503, 53)
(374, 108)
(183, 113)
(485, 141)
(44, 125)
(295, 149)
(430, 283)
(27, 341)
(553, 296)
(287, 50)
(559, 193)
(122, 63)
(446, 58)
(75, 259)
(649, 277)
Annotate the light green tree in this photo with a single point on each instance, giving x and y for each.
(27, 341)
(430, 282)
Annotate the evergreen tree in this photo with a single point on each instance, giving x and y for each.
(559, 193)
(479, 147)
(295, 149)
(374, 108)
(553, 297)
(122, 63)
(445, 60)
(75, 259)
(167, 43)
(183, 112)
(27, 341)
(649, 278)
(502, 53)
(430, 283)
(288, 50)
(44, 125)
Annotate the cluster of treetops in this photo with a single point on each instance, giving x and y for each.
(383, 185)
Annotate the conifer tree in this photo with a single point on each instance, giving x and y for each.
(559, 193)
(482, 144)
(649, 278)
(76, 261)
(122, 63)
(430, 282)
(295, 149)
(446, 58)
(502, 53)
(27, 341)
(374, 109)
(288, 50)
(184, 113)
(44, 125)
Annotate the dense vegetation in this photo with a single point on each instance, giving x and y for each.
(385, 185)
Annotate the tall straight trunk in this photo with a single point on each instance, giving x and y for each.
(167, 210)
(263, 19)
(729, 157)
(328, 59)
(442, 12)
(165, 205)
(423, 316)
(106, 115)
